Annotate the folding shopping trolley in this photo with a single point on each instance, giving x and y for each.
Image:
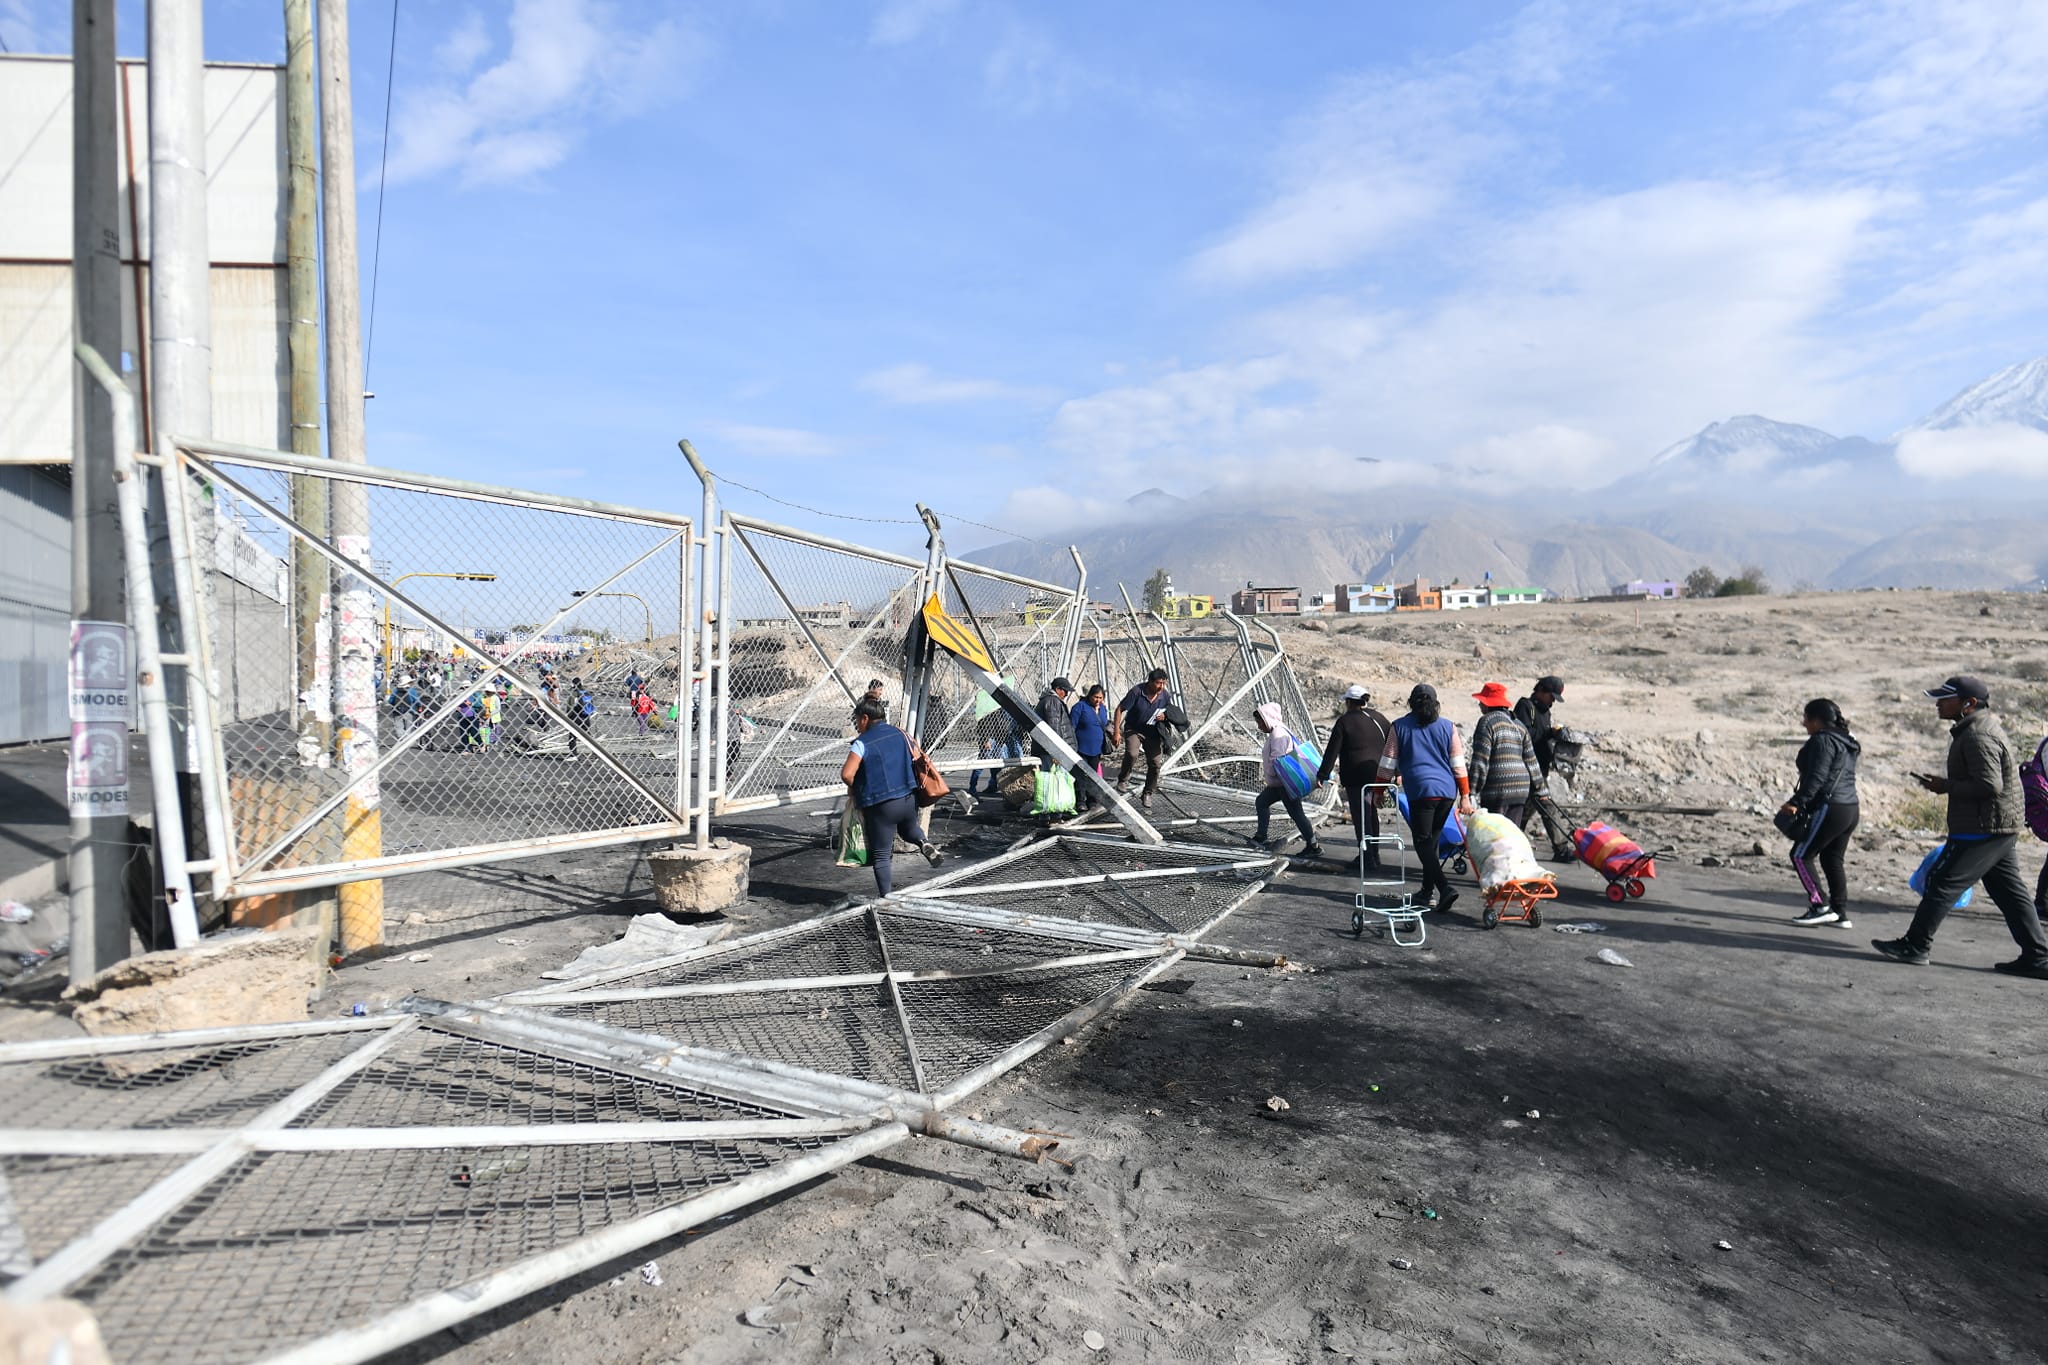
(1384, 891)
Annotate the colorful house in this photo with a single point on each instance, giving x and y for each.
(1417, 596)
(1253, 600)
(1516, 597)
(1357, 598)
(1642, 588)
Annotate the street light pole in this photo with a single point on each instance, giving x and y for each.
(644, 608)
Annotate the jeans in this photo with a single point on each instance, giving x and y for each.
(1264, 806)
(1995, 861)
(1827, 842)
(1426, 817)
(881, 823)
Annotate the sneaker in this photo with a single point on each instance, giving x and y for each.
(1449, 899)
(2023, 966)
(1312, 851)
(1845, 923)
(1145, 804)
(1564, 855)
(1899, 950)
(1817, 914)
(931, 853)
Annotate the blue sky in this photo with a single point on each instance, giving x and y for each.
(1021, 260)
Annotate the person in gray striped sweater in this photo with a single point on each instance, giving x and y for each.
(1501, 759)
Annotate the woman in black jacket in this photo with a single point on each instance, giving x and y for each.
(1826, 802)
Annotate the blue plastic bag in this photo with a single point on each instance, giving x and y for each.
(1453, 837)
(1918, 881)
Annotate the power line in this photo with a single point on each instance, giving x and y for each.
(944, 516)
(383, 160)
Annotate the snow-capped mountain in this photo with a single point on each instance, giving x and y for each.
(1746, 455)
(2016, 395)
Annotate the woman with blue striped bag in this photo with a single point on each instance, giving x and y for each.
(1287, 766)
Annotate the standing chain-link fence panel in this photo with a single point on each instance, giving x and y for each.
(1027, 627)
(461, 667)
(814, 622)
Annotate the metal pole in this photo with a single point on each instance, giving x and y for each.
(704, 645)
(312, 586)
(724, 655)
(180, 322)
(99, 827)
(169, 824)
(355, 693)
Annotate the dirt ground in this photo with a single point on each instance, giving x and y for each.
(1756, 1143)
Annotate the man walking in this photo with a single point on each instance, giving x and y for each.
(1356, 742)
(1534, 713)
(1055, 712)
(1137, 724)
(1986, 811)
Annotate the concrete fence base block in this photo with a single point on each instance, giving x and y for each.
(248, 978)
(693, 881)
(51, 1330)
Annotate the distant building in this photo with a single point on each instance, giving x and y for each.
(1515, 597)
(1459, 597)
(1417, 596)
(1191, 607)
(1357, 598)
(1641, 588)
(1318, 603)
(1253, 600)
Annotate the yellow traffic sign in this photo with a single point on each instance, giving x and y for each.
(955, 638)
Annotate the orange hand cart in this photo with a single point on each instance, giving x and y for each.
(1518, 902)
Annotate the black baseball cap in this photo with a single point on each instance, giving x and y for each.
(1962, 685)
(1062, 685)
(1552, 684)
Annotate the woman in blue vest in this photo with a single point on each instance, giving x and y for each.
(885, 790)
(1425, 752)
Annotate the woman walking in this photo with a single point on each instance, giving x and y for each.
(1279, 744)
(878, 769)
(1425, 753)
(1826, 803)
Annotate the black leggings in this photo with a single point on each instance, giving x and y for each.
(1426, 817)
(882, 823)
(1826, 842)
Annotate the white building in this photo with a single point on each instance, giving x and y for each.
(1460, 598)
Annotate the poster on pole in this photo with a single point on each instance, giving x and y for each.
(102, 686)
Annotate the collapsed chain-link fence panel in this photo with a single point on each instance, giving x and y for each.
(406, 672)
(812, 623)
(1028, 629)
(325, 1194)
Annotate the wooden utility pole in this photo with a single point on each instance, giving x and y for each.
(98, 786)
(312, 617)
(355, 642)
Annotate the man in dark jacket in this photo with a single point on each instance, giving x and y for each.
(1055, 711)
(1356, 742)
(1986, 812)
(1139, 724)
(1534, 713)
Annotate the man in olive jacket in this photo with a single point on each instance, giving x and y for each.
(1986, 812)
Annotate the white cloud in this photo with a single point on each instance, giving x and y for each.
(2003, 450)
(917, 384)
(1937, 77)
(1583, 338)
(775, 441)
(1388, 152)
(1028, 74)
(465, 45)
(569, 65)
(905, 21)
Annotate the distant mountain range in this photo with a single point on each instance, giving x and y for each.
(1811, 509)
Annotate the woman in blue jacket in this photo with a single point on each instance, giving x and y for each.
(885, 790)
(1425, 752)
(1091, 729)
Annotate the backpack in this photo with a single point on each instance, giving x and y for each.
(2034, 787)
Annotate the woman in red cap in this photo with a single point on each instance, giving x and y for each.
(1501, 762)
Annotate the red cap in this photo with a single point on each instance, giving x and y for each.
(1493, 694)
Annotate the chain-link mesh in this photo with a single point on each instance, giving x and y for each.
(304, 650)
(1025, 627)
(961, 1025)
(204, 1087)
(812, 626)
(1185, 903)
(841, 947)
(925, 945)
(848, 1031)
(230, 1274)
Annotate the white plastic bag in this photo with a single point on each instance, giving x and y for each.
(1499, 851)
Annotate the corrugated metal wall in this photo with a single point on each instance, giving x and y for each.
(35, 603)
